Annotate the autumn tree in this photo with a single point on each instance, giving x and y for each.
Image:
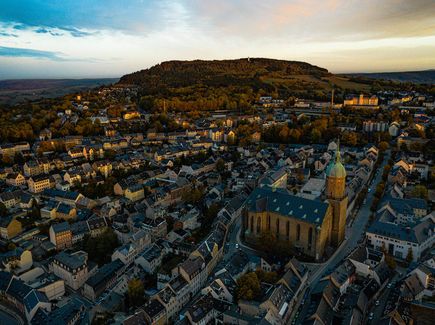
(420, 191)
(135, 292)
(269, 277)
(248, 287)
(383, 146)
(220, 165)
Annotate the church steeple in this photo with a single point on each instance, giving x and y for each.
(336, 195)
(337, 152)
(335, 167)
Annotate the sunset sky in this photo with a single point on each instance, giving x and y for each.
(108, 38)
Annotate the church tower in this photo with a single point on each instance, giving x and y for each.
(336, 195)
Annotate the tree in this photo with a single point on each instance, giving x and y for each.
(248, 287)
(135, 292)
(316, 135)
(420, 191)
(193, 196)
(269, 277)
(100, 248)
(391, 262)
(220, 165)
(409, 256)
(3, 210)
(383, 145)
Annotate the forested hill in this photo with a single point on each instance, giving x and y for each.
(237, 84)
(240, 72)
(233, 84)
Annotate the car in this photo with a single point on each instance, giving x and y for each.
(371, 316)
(377, 303)
(237, 246)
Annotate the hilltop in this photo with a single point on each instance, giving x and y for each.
(232, 84)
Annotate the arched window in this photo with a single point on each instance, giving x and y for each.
(310, 236)
(258, 225)
(298, 232)
(268, 223)
(277, 227)
(287, 230)
(252, 224)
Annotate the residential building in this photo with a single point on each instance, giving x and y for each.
(61, 235)
(72, 268)
(38, 184)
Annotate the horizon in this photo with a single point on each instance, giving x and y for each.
(107, 39)
(118, 77)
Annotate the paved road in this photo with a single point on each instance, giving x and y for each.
(6, 318)
(353, 234)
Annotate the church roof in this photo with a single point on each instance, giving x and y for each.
(282, 202)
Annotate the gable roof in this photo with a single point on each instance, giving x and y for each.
(281, 202)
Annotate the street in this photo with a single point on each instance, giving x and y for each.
(353, 234)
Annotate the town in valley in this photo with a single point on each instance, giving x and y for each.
(217, 162)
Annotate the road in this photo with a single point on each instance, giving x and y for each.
(354, 233)
(7, 317)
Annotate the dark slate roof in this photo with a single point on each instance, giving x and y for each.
(153, 308)
(415, 233)
(18, 289)
(405, 206)
(62, 315)
(105, 273)
(33, 298)
(60, 227)
(64, 208)
(71, 261)
(5, 279)
(51, 192)
(281, 202)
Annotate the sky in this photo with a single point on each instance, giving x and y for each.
(109, 38)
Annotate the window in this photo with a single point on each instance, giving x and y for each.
(252, 224)
(298, 232)
(268, 223)
(258, 225)
(277, 227)
(287, 230)
(310, 236)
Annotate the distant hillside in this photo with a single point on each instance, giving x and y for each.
(218, 73)
(421, 77)
(232, 84)
(13, 91)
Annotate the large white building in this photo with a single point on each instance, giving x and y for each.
(398, 240)
(73, 268)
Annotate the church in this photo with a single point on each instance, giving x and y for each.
(307, 225)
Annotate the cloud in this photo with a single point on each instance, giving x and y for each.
(79, 16)
(56, 31)
(319, 20)
(6, 34)
(76, 32)
(30, 53)
(336, 34)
